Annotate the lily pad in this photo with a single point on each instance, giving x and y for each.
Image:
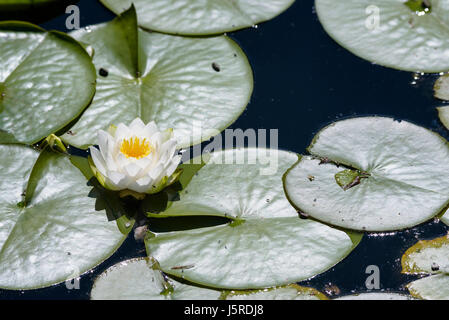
(265, 245)
(200, 17)
(403, 175)
(138, 279)
(405, 35)
(46, 80)
(441, 88)
(197, 86)
(50, 230)
(443, 113)
(376, 296)
(434, 287)
(427, 256)
(290, 292)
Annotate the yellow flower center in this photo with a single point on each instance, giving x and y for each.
(135, 148)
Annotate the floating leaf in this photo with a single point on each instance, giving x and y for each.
(137, 279)
(171, 80)
(46, 80)
(265, 245)
(427, 256)
(443, 113)
(435, 287)
(406, 169)
(441, 88)
(290, 292)
(376, 296)
(51, 232)
(200, 17)
(405, 35)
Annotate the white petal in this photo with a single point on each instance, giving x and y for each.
(157, 172)
(167, 135)
(98, 160)
(149, 130)
(167, 150)
(104, 140)
(142, 185)
(137, 125)
(122, 132)
(117, 179)
(173, 165)
(132, 169)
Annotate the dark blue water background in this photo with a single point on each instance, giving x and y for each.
(303, 81)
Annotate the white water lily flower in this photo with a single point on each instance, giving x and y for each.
(135, 159)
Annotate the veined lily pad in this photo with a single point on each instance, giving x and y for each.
(140, 279)
(200, 17)
(427, 256)
(405, 35)
(50, 230)
(265, 245)
(376, 296)
(197, 86)
(46, 80)
(402, 168)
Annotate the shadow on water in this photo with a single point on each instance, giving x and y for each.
(36, 13)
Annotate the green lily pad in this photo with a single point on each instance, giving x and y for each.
(435, 287)
(441, 88)
(197, 86)
(376, 296)
(427, 256)
(405, 175)
(289, 292)
(405, 35)
(46, 80)
(50, 230)
(443, 114)
(265, 245)
(138, 279)
(200, 17)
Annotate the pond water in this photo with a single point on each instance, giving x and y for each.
(304, 81)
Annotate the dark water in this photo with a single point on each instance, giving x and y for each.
(304, 81)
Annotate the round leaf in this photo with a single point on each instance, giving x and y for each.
(290, 292)
(376, 296)
(140, 279)
(265, 245)
(401, 180)
(405, 35)
(443, 113)
(197, 86)
(435, 287)
(52, 232)
(137, 279)
(427, 256)
(441, 88)
(200, 17)
(46, 80)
